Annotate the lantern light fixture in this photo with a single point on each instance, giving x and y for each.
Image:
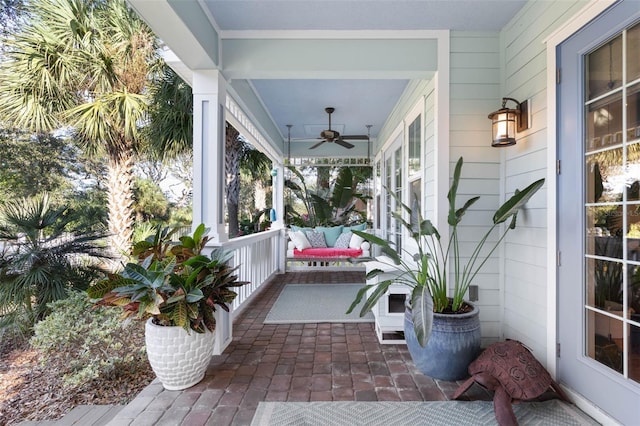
(505, 122)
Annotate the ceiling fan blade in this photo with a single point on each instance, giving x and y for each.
(355, 137)
(317, 145)
(344, 144)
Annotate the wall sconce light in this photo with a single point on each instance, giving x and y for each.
(274, 172)
(505, 122)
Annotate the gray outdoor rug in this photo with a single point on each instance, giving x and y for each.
(311, 303)
(433, 413)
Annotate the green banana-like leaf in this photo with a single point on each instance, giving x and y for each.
(415, 216)
(422, 313)
(427, 228)
(359, 296)
(342, 189)
(513, 204)
(374, 273)
(453, 191)
(380, 291)
(323, 209)
(462, 210)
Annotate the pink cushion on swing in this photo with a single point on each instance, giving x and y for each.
(327, 252)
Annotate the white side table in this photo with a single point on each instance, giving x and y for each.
(389, 311)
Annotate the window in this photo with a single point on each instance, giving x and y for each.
(414, 143)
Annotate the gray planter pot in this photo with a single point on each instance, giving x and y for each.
(453, 345)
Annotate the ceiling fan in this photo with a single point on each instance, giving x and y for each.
(333, 136)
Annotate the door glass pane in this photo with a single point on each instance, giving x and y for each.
(605, 340)
(603, 173)
(633, 201)
(634, 356)
(612, 209)
(414, 146)
(604, 69)
(398, 191)
(377, 185)
(604, 284)
(633, 59)
(388, 197)
(604, 122)
(633, 113)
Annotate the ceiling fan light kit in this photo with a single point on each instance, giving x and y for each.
(333, 136)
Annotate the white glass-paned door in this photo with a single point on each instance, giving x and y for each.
(599, 227)
(392, 192)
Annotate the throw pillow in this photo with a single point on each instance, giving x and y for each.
(358, 227)
(331, 233)
(343, 240)
(316, 239)
(299, 240)
(298, 228)
(356, 241)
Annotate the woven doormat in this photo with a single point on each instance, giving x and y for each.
(432, 413)
(316, 303)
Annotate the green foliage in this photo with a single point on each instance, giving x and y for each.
(150, 202)
(42, 258)
(32, 164)
(172, 282)
(258, 222)
(88, 209)
(88, 66)
(181, 216)
(171, 112)
(85, 342)
(328, 208)
(433, 263)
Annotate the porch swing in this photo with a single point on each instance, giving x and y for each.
(311, 245)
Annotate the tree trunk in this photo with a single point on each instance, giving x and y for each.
(232, 170)
(119, 202)
(324, 176)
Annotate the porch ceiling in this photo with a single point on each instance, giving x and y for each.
(464, 15)
(292, 86)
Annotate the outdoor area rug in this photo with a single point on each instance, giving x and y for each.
(312, 303)
(432, 413)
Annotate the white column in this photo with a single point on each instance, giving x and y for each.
(277, 195)
(209, 94)
(277, 202)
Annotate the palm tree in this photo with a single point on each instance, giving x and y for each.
(42, 259)
(85, 64)
(171, 115)
(239, 154)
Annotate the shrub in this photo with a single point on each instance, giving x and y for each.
(84, 342)
(42, 258)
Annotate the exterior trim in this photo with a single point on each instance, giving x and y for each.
(588, 13)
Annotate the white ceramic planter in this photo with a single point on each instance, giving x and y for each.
(178, 358)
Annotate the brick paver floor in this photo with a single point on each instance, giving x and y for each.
(291, 362)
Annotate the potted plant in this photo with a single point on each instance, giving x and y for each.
(176, 289)
(431, 312)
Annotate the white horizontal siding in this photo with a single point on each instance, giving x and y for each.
(474, 92)
(525, 255)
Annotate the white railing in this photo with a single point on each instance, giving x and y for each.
(258, 257)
